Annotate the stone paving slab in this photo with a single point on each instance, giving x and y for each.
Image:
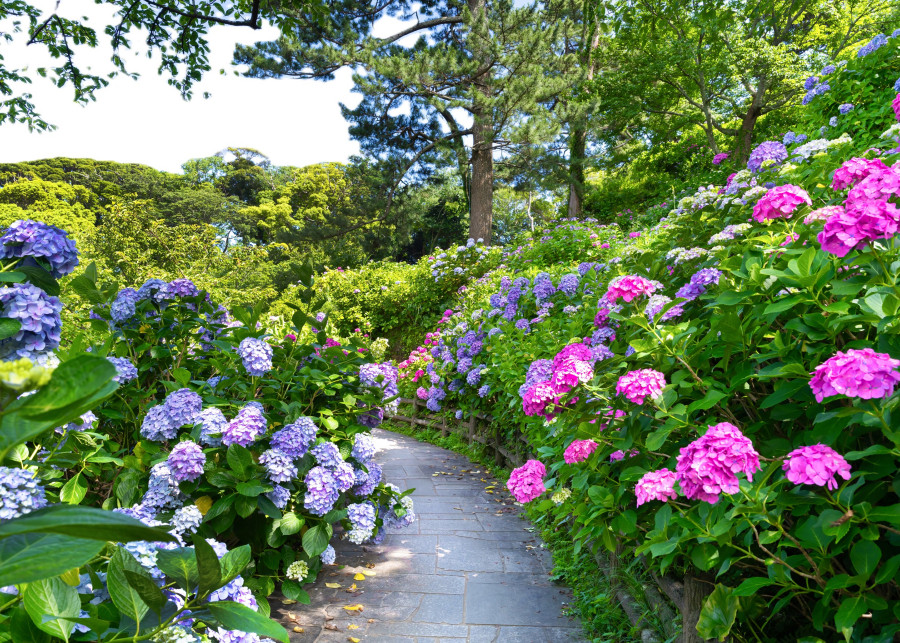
(470, 569)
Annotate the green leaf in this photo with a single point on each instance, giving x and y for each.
(865, 556)
(9, 327)
(84, 522)
(749, 586)
(709, 400)
(12, 277)
(315, 540)
(290, 523)
(849, 612)
(234, 616)
(181, 375)
(126, 599)
(22, 628)
(208, 567)
(25, 558)
(74, 491)
(718, 614)
(705, 555)
(234, 562)
(52, 598)
(146, 588)
(40, 278)
(240, 460)
(294, 591)
(250, 489)
(86, 289)
(180, 565)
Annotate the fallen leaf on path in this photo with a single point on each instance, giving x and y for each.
(354, 608)
(369, 572)
(370, 565)
(371, 620)
(298, 630)
(287, 601)
(352, 626)
(359, 576)
(333, 585)
(329, 626)
(353, 639)
(292, 616)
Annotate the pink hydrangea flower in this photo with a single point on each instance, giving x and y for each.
(570, 374)
(788, 240)
(538, 397)
(709, 465)
(816, 464)
(822, 214)
(780, 202)
(579, 451)
(896, 106)
(615, 456)
(880, 184)
(860, 223)
(629, 287)
(634, 235)
(637, 385)
(572, 353)
(861, 373)
(719, 158)
(422, 393)
(855, 170)
(655, 485)
(527, 482)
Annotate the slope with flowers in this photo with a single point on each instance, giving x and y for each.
(716, 393)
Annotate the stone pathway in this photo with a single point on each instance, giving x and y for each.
(469, 569)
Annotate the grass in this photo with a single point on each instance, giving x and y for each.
(595, 602)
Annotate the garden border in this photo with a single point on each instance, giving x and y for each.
(686, 596)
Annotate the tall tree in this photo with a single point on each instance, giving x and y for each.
(459, 89)
(723, 66)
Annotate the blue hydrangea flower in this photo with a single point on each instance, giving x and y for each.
(877, 42)
(569, 284)
(20, 493)
(523, 325)
(690, 291)
(833, 121)
(157, 425)
(493, 331)
(766, 151)
(393, 519)
(178, 288)
(152, 289)
(321, 491)
(362, 519)
(458, 415)
(828, 69)
(83, 423)
(279, 465)
(245, 428)
(27, 238)
(897, 85)
(162, 490)
(484, 390)
(344, 476)
(295, 438)
(810, 82)
(256, 355)
(474, 376)
(706, 276)
(187, 519)
(543, 289)
(186, 461)
(279, 496)
(183, 407)
(327, 454)
(845, 108)
(363, 447)
(237, 592)
(125, 370)
(212, 424)
(328, 556)
(38, 313)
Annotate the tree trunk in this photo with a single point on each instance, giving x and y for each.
(743, 143)
(695, 593)
(481, 202)
(577, 146)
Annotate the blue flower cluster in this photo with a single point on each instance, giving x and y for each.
(27, 239)
(295, 438)
(373, 477)
(246, 427)
(363, 447)
(20, 493)
(279, 496)
(186, 461)
(328, 556)
(212, 423)
(362, 519)
(179, 409)
(256, 355)
(383, 376)
(39, 316)
(321, 491)
(766, 151)
(327, 455)
(125, 370)
(279, 465)
(876, 43)
(401, 518)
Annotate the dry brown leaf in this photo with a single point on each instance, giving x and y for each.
(370, 565)
(292, 616)
(329, 618)
(329, 626)
(371, 620)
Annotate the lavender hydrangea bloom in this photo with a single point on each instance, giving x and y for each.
(328, 556)
(125, 370)
(845, 108)
(373, 477)
(524, 326)
(162, 489)
(157, 426)
(543, 289)
(362, 518)
(344, 476)
(279, 465)
(706, 276)
(20, 493)
(396, 518)
(82, 424)
(569, 285)
(212, 424)
(237, 592)
(877, 42)
(766, 151)
(484, 390)
(256, 355)
(810, 82)
(187, 519)
(833, 121)
(279, 496)
(474, 376)
(690, 291)
(327, 455)
(27, 238)
(151, 289)
(179, 288)
(321, 491)
(38, 314)
(828, 69)
(186, 461)
(295, 438)
(245, 428)
(363, 447)
(183, 407)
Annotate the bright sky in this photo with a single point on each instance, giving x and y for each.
(293, 122)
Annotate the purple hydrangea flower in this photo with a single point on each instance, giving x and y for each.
(363, 447)
(279, 496)
(20, 493)
(38, 314)
(344, 476)
(845, 108)
(179, 288)
(245, 428)
(27, 238)
(524, 326)
(279, 465)
(125, 370)
(162, 490)
(256, 354)
(321, 491)
(569, 285)
(766, 151)
(328, 556)
(183, 407)
(123, 307)
(399, 518)
(373, 477)
(295, 438)
(706, 276)
(810, 82)
(484, 390)
(327, 455)
(212, 424)
(157, 426)
(362, 519)
(690, 291)
(151, 289)
(186, 461)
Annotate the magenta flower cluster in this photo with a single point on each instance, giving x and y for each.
(579, 451)
(895, 105)
(780, 203)
(527, 482)
(573, 365)
(859, 224)
(817, 465)
(655, 485)
(640, 384)
(861, 373)
(718, 159)
(629, 287)
(709, 465)
(855, 170)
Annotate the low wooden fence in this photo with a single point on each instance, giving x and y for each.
(686, 596)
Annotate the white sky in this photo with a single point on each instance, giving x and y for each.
(294, 122)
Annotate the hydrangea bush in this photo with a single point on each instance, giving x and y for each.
(718, 394)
